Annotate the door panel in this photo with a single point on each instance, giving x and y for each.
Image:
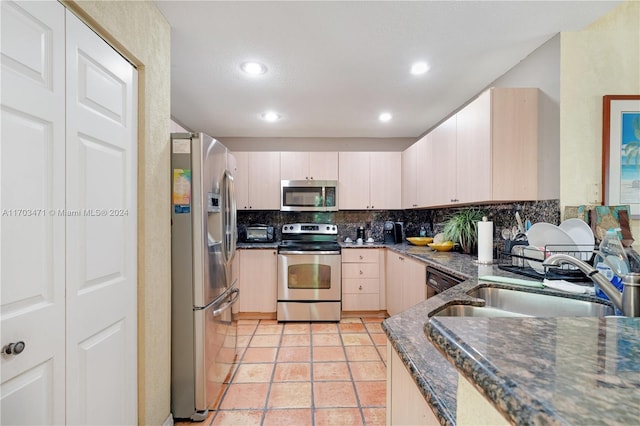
(32, 201)
(101, 238)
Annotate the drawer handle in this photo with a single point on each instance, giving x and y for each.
(361, 257)
(360, 288)
(360, 272)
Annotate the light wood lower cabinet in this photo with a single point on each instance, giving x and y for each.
(362, 279)
(405, 404)
(406, 282)
(257, 280)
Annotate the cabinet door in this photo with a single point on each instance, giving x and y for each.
(473, 151)
(264, 180)
(258, 277)
(323, 165)
(443, 164)
(424, 170)
(241, 179)
(405, 404)
(514, 131)
(385, 180)
(410, 177)
(294, 166)
(414, 285)
(394, 265)
(354, 181)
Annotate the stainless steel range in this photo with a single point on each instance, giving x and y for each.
(309, 273)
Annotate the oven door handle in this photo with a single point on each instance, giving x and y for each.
(302, 252)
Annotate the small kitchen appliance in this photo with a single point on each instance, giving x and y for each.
(309, 195)
(398, 232)
(388, 231)
(309, 273)
(259, 234)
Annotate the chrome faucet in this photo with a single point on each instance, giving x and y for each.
(628, 302)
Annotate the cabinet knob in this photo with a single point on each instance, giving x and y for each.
(361, 257)
(400, 257)
(360, 288)
(373, 207)
(13, 348)
(360, 272)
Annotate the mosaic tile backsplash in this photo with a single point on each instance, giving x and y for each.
(502, 215)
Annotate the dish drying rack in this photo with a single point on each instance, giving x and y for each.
(521, 263)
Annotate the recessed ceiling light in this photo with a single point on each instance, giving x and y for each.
(384, 117)
(253, 68)
(419, 68)
(270, 116)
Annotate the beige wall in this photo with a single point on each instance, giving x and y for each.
(140, 32)
(602, 59)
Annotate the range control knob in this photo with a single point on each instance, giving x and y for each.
(13, 348)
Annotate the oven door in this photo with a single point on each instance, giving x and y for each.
(309, 277)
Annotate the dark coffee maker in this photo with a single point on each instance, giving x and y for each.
(388, 230)
(360, 233)
(398, 232)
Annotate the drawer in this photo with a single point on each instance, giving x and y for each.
(361, 255)
(360, 302)
(360, 270)
(360, 286)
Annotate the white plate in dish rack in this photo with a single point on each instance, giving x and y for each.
(531, 252)
(582, 235)
(544, 234)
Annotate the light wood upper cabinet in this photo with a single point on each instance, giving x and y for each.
(385, 180)
(473, 150)
(514, 144)
(410, 176)
(369, 180)
(441, 150)
(487, 152)
(308, 165)
(257, 180)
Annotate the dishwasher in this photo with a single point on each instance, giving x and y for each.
(439, 280)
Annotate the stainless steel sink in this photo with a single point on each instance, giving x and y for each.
(502, 302)
(475, 311)
(540, 305)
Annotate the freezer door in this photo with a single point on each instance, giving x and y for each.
(215, 348)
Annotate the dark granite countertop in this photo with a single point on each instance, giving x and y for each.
(535, 370)
(245, 246)
(577, 371)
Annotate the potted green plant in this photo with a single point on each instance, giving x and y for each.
(462, 227)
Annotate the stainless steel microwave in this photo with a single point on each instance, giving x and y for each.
(309, 196)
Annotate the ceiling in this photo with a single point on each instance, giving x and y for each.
(334, 66)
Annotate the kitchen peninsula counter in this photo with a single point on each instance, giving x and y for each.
(533, 370)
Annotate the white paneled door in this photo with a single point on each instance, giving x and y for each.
(68, 201)
(32, 268)
(101, 243)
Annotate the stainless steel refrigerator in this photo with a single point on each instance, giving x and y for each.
(203, 244)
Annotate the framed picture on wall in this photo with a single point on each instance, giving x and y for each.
(621, 151)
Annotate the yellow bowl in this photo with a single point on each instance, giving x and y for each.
(420, 241)
(444, 246)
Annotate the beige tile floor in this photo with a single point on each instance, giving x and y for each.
(306, 374)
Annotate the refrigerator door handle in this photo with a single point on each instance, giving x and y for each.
(230, 219)
(236, 294)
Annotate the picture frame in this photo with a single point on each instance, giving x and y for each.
(621, 151)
